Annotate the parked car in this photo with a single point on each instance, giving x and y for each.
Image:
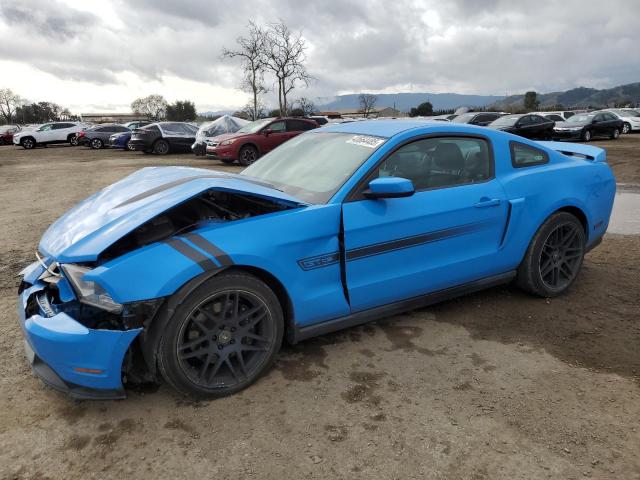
(585, 126)
(164, 137)
(195, 276)
(121, 140)
(257, 138)
(209, 130)
(137, 124)
(99, 136)
(319, 119)
(7, 132)
(630, 119)
(477, 118)
(528, 125)
(48, 133)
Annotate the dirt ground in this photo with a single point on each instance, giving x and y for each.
(496, 385)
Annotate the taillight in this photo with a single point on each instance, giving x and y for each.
(80, 134)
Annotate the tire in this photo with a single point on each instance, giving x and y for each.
(247, 155)
(626, 128)
(586, 136)
(161, 147)
(129, 146)
(228, 161)
(73, 140)
(206, 354)
(615, 134)
(28, 143)
(1, 141)
(96, 144)
(554, 257)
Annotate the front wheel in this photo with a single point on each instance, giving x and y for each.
(96, 144)
(248, 155)
(129, 146)
(221, 337)
(615, 134)
(626, 128)
(554, 256)
(73, 140)
(161, 147)
(28, 143)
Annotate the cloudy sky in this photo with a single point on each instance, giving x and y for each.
(99, 55)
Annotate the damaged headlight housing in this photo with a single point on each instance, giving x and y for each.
(89, 292)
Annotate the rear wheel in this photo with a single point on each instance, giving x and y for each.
(554, 256)
(96, 143)
(73, 140)
(161, 147)
(129, 146)
(248, 154)
(615, 134)
(222, 336)
(28, 143)
(586, 135)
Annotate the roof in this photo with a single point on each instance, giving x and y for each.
(379, 128)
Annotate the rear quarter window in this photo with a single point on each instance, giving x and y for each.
(526, 156)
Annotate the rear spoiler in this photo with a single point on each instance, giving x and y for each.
(578, 150)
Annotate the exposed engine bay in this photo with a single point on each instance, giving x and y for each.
(210, 206)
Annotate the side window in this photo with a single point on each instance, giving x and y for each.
(277, 126)
(45, 128)
(58, 126)
(568, 114)
(172, 129)
(525, 121)
(298, 126)
(526, 156)
(440, 162)
(610, 116)
(599, 118)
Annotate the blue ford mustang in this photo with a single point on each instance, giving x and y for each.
(195, 276)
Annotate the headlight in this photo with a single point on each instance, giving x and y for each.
(89, 292)
(228, 142)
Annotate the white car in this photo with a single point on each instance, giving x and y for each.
(53, 132)
(630, 117)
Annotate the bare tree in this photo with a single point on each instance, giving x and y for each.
(306, 105)
(285, 57)
(153, 106)
(251, 52)
(367, 103)
(9, 102)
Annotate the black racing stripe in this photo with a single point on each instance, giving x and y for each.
(406, 242)
(188, 251)
(210, 248)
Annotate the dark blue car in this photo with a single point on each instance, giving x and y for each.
(121, 140)
(196, 276)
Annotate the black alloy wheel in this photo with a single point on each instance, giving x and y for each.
(222, 336)
(248, 155)
(161, 147)
(554, 257)
(561, 256)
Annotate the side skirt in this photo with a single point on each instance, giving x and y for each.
(298, 334)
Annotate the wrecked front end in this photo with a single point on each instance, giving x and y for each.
(87, 305)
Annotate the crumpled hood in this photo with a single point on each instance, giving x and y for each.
(94, 224)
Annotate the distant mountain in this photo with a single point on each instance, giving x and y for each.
(216, 114)
(404, 101)
(580, 97)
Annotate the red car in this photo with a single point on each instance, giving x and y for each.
(256, 138)
(6, 134)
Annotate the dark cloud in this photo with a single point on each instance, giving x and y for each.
(495, 46)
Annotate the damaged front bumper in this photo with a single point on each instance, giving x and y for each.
(86, 363)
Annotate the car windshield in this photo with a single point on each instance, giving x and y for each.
(506, 121)
(581, 118)
(464, 118)
(313, 166)
(254, 127)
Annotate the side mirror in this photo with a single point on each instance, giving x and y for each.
(267, 132)
(389, 187)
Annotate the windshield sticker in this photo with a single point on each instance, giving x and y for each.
(366, 141)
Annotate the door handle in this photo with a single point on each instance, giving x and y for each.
(487, 202)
